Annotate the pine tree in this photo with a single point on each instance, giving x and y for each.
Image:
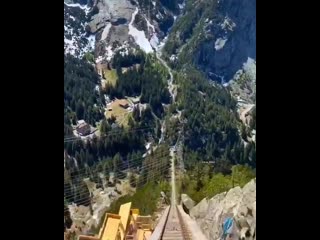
(244, 132)
(132, 180)
(116, 164)
(131, 122)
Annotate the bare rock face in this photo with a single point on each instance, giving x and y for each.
(83, 217)
(187, 202)
(237, 203)
(98, 22)
(234, 41)
(200, 210)
(243, 84)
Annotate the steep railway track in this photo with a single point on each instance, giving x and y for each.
(175, 228)
(172, 226)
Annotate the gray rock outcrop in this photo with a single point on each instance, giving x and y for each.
(187, 202)
(237, 203)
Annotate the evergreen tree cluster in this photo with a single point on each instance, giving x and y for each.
(144, 77)
(81, 100)
(189, 28)
(155, 166)
(103, 149)
(166, 8)
(212, 125)
(201, 182)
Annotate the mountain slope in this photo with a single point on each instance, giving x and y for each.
(217, 36)
(116, 41)
(107, 26)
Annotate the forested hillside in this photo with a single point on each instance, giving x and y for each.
(152, 100)
(218, 37)
(81, 100)
(212, 127)
(148, 80)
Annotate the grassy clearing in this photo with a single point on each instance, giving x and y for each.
(111, 77)
(122, 115)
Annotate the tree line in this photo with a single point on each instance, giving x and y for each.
(212, 124)
(81, 100)
(144, 77)
(201, 181)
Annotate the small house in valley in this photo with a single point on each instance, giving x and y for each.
(83, 129)
(123, 103)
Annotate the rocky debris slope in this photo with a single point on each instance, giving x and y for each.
(117, 12)
(83, 218)
(243, 88)
(237, 203)
(243, 85)
(111, 21)
(108, 26)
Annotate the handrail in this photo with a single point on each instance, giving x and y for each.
(184, 229)
(159, 230)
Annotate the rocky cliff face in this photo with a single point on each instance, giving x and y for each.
(218, 36)
(237, 203)
(107, 26)
(233, 42)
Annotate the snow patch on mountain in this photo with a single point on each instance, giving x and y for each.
(219, 44)
(106, 31)
(139, 36)
(76, 41)
(228, 24)
(249, 68)
(83, 7)
(109, 53)
(154, 41)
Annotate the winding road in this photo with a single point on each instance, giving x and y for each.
(170, 81)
